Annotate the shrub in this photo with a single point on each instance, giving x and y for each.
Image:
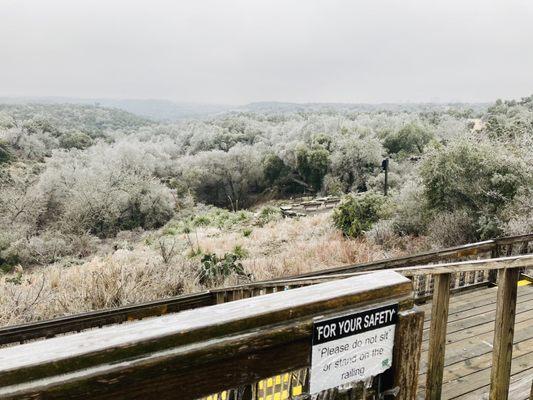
(268, 214)
(411, 211)
(383, 233)
(168, 248)
(353, 161)
(75, 140)
(312, 165)
(5, 152)
(357, 213)
(518, 215)
(240, 251)
(412, 138)
(473, 175)
(332, 185)
(213, 269)
(49, 247)
(102, 190)
(452, 229)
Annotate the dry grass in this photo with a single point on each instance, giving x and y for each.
(280, 248)
(126, 277)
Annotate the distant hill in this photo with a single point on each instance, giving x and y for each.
(90, 119)
(157, 110)
(283, 107)
(168, 111)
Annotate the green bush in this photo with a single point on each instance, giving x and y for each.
(213, 269)
(477, 177)
(5, 153)
(410, 139)
(268, 214)
(240, 251)
(75, 140)
(312, 165)
(357, 213)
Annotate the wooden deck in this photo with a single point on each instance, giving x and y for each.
(469, 345)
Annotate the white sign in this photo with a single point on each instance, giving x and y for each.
(352, 347)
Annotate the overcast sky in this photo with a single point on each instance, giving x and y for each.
(237, 51)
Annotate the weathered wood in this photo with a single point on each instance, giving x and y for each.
(406, 357)
(469, 351)
(479, 324)
(84, 350)
(493, 274)
(191, 373)
(522, 261)
(221, 297)
(503, 333)
(437, 336)
(78, 322)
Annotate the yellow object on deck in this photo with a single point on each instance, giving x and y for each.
(524, 282)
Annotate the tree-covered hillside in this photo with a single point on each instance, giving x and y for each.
(85, 170)
(79, 182)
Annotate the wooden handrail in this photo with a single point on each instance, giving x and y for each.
(202, 351)
(50, 328)
(79, 322)
(391, 263)
(523, 261)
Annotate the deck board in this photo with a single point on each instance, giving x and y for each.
(469, 346)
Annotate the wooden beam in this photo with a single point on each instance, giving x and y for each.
(437, 336)
(110, 345)
(503, 333)
(522, 261)
(78, 322)
(493, 274)
(406, 358)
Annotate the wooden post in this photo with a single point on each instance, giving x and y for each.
(406, 357)
(221, 297)
(437, 336)
(503, 333)
(493, 274)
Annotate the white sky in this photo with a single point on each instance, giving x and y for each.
(237, 51)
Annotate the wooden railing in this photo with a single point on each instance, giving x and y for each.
(508, 271)
(194, 353)
(235, 344)
(515, 245)
(521, 244)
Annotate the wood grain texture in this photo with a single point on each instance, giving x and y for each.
(504, 333)
(89, 320)
(406, 357)
(522, 261)
(78, 322)
(437, 336)
(89, 349)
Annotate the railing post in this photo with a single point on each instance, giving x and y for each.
(406, 358)
(437, 336)
(493, 274)
(503, 333)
